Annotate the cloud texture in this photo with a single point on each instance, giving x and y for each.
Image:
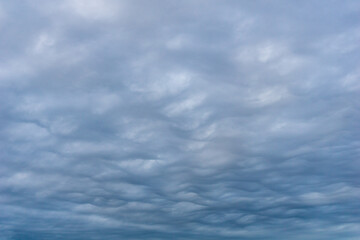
(152, 119)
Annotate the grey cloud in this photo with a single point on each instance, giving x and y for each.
(179, 120)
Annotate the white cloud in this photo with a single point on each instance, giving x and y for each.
(185, 106)
(27, 132)
(94, 9)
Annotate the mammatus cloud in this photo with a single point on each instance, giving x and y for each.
(179, 120)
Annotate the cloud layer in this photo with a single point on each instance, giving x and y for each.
(179, 119)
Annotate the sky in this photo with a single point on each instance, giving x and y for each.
(183, 120)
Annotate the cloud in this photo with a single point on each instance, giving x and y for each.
(179, 120)
(93, 9)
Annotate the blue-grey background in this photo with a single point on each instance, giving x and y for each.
(191, 119)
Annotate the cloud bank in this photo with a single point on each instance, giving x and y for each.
(179, 119)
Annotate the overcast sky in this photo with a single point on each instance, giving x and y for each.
(188, 119)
